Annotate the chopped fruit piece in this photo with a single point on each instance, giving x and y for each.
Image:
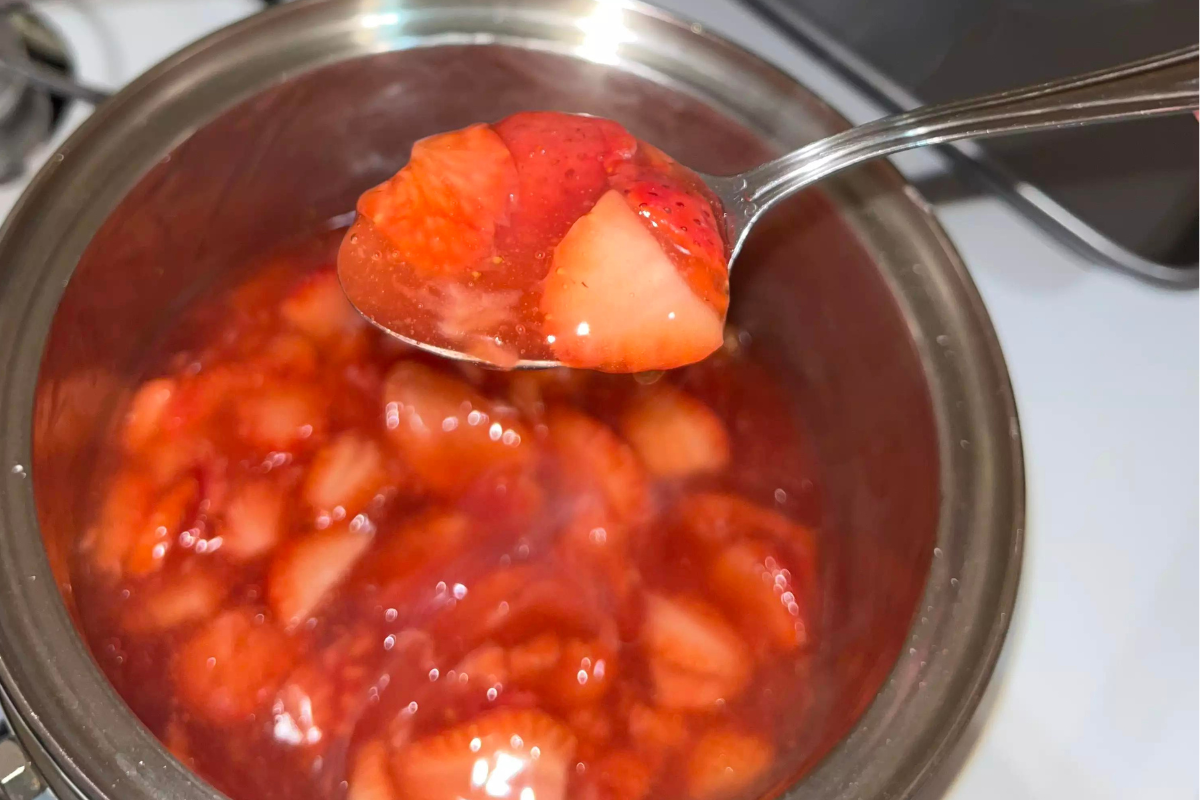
(712, 519)
(760, 592)
(503, 754)
(371, 779)
(656, 732)
(613, 300)
(726, 763)
(253, 520)
(230, 667)
(292, 355)
(583, 675)
(282, 417)
(683, 222)
(448, 432)
(434, 537)
(439, 213)
(345, 474)
(174, 510)
(563, 162)
(529, 661)
(305, 571)
(544, 236)
(696, 658)
(319, 309)
(675, 435)
(189, 597)
(125, 511)
(594, 465)
(486, 665)
(620, 775)
(147, 410)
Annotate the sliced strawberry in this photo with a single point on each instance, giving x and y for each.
(696, 658)
(283, 416)
(345, 475)
(439, 213)
(596, 467)
(583, 675)
(619, 775)
(125, 510)
(675, 435)
(725, 763)
(683, 222)
(505, 753)
(308, 569)
(713, 519)
(229, 668)
(370, 778)
(182, 598)
(656, 732)
(563, 162)
(253, 520)
(614, 301)
(318, 308)
(171, 513)
(448, 432)
(753, 584)
(432, 538)
(147, 411)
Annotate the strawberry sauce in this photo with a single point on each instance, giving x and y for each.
(545, 236)
(324, 565)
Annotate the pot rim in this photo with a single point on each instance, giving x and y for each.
(57, 698)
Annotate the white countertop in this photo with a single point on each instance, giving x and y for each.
(1097, 692)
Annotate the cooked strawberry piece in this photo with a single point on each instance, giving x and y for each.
(303, 573)
(675, 435)
(253, 521)
(291, 355)
(170, 515)
(753, 584)
(683, 223)
(725, 763)
(447, 431)
(283, 417)
(563, 162)
(531, 660)
(229, 668)
(188, 597)
(345, 475)
(432, 538)
(656, 732)
(124, 512)
(439, 213)
(620, 775)
(613, 300)
(147, 411)
(596, 467)
(506, 753)
(583, 675)
(370, 778)
(318, 308)
(713, 519)
(696, 658)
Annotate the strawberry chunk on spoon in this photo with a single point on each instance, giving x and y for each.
(544, 238)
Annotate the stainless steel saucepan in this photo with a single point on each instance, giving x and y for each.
(274, 125)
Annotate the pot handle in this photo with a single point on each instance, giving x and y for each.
(19, 778)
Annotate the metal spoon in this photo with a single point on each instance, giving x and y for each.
(1164, 84)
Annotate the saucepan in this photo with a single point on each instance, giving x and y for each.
(274, 125)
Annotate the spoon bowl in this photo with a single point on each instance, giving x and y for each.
(1164, 84)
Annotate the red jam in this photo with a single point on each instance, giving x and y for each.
(325, 565)
(545, 236)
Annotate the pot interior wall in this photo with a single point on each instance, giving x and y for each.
(298, 154)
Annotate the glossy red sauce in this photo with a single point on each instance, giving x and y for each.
(545, 236)
(324, 565)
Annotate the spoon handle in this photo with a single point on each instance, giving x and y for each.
(1164, 84)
